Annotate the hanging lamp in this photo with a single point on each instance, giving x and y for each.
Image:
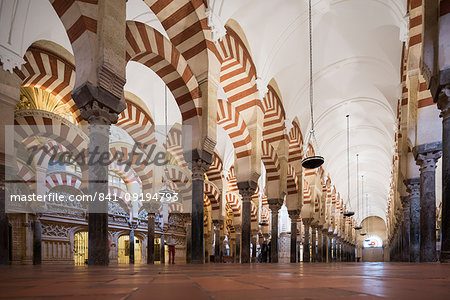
(314, 161)
(167, 195)
(363, 201)
(358, 212)
(348, 212)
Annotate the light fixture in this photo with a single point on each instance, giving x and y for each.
(314, 161)
(348, 212)
(166, 193)
(358, 217)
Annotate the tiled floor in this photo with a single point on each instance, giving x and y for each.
(226, 281)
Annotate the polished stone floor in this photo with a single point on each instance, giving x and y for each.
(226, 281)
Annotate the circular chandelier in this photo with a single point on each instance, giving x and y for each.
(314, 161)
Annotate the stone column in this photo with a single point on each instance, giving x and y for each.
(319, 243)
(98, 184)
(324, 245)
(406, 229)
(306, 243)
(246, 189)
(217, 241)
(37, 242)
(313, 244)
(163, 249)
(330, 247)
(426, 157)
(274, 205)
(255, 245)
(444, 106)
(198, 167)
(131, 257)
(188, 228)
(294, 215)
(413, 188)
(151, 239)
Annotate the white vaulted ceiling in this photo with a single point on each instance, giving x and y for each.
(357, 53)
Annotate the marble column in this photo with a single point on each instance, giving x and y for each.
(330, 247)
(325, 245)
(444, 106)
(151, 239)
(131, 257)
(426, 157)
(217, 241)
(313, 244)
(294, 215)
(406, 229)
(246, 189)
(413, 188)
(237, 246)
(162, 244)
(198, 167)
(306, 243)
(274, 205)
(188, 228)
(319, 243)
(37, 242)
(254, 245)
(98, 249)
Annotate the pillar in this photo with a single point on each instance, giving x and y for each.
(274, 205)
(426, 157)
(324, 245)
(293, 215)
(163, 249)
(151, 239)
(254, 245)
(217, 241)
(406, 229)
(98, 250)
(188, 228)
(330, 247)
(37, 242)
(198, 167)
(444, 106)
(246, 189)
(413, 188)
(131, 257)
(313, 244)
(306, 243)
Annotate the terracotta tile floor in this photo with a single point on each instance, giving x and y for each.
(226, 281)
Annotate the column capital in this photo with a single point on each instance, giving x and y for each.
(247, 189)
(443, 102)
(275, 204)
(413, 186)
(427, 155)
(97, 105)
(199, 162)
(294, 214)
(307, 221)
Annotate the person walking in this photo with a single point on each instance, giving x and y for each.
(171, 242)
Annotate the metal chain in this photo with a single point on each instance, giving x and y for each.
(348, 160)
(311, 95)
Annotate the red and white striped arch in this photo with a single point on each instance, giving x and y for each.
(270, 159)
(127, 174)
(79, 18)
(56, 128)
(175, 146)
(182, 180)
(306, 192)
(274, 116)
(234, 201)
(46, 70)
(214, 172)
(213, 193)
(137, 123)
(143, 171)
(232, 181)
(292, 181)
(234, 125)
(295, 144)
(149, 47)
(62, 178)
(185, 23)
